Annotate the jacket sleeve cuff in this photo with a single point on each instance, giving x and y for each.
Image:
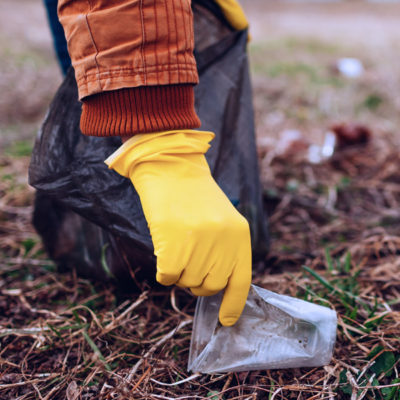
(144, 109)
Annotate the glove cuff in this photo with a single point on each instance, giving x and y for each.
(144, 109)
(157, 146)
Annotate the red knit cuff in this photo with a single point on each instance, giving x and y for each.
(143, 109)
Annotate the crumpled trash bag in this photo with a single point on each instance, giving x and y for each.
(274, 331)
(90, 218)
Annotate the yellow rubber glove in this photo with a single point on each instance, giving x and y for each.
(233, 13)
(200, 239)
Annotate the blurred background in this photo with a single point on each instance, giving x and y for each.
(294, 52)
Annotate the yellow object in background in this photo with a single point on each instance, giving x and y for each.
(201, 241)
(234, 14)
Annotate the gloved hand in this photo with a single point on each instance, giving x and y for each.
(233, 13)
(200, 239)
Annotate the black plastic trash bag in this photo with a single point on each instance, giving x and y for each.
(90, 218)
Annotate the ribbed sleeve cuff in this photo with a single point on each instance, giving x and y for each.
(144, 109)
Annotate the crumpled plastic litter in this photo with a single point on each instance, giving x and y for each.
(274, 331)
(339, 137)
(350, 67)
(318, 154)
(90, 218)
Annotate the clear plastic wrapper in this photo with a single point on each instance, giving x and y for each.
(274, 331)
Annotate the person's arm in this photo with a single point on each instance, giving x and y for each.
(135, 71)
(133, 63)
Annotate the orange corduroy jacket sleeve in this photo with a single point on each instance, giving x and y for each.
(133, 62)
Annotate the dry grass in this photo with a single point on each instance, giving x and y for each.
(64, 336)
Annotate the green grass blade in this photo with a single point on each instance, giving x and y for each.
(319, 278)
(96, 350)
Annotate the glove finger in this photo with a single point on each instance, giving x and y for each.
(167, 279)
(168, 271)
(206, 257)
(192, 277)
(211, 285)
(236, 292)
(214, 283)
(169, 265)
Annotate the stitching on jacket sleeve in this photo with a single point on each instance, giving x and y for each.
(143, 40)
(176, 39)
(168, 38)
(94, 43)
(185, 33)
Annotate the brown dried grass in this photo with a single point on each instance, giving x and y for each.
(65, 337)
